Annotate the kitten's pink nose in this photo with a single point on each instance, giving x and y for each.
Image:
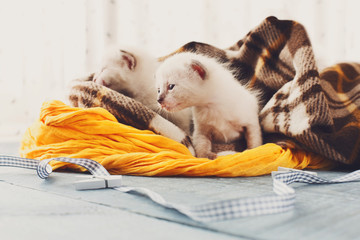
(160, 99)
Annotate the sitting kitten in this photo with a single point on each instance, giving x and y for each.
(223, 109)
(131, 72)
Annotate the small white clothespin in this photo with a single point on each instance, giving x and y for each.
(99, 182)
(284, 170)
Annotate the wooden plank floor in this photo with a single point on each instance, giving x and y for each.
(52, 209)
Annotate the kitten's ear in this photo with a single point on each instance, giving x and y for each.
(128, 60)
(199, 68)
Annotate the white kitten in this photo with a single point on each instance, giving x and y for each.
(223, 109)
(130, 70)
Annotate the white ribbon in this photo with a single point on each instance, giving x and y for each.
(283, 200)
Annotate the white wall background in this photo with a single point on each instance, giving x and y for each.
(46, 43)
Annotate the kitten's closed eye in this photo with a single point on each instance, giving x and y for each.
(171, 86)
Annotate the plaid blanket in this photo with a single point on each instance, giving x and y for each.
(301, 108)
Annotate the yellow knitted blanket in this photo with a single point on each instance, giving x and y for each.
(94, 133)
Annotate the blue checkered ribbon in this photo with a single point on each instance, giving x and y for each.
(283, 200)
(44, 169)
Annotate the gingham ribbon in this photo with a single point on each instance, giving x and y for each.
(283, 200)
(43, 168)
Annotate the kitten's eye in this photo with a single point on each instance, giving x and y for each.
(158, 90)
(171, 86)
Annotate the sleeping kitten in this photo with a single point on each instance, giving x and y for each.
(130, 71)
(223, 109)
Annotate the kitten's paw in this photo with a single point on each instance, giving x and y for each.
(224, 153)
(209, 155)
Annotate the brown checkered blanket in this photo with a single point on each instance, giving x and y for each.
(301, 108)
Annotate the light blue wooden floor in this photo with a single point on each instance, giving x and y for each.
(32, 208)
